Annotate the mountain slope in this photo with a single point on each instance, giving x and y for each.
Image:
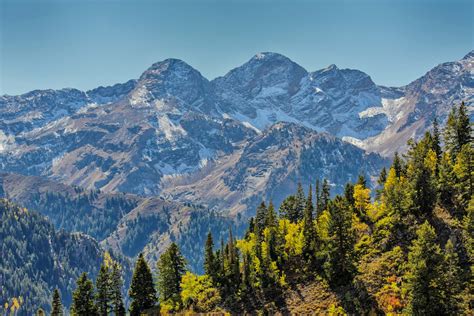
(36, 258)
(270, 166)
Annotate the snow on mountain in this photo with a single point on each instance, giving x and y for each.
(172, 122)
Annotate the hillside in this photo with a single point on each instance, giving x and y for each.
(36, 258)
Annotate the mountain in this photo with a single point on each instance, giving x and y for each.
(411, 109)
(131, 144)
(36, 258)
(173, 123)
(269, 167)
(271, 88)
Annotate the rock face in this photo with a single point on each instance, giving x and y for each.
(171, 122)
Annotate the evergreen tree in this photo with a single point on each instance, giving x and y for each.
(457, 131)
(171, 267)
(300, 204)
(436, 139)
(116, 284)
(446, 181)
(362, 181)
(317, 197)
(142, 292)
(339, 265)
(103, 291)
(381, 183)
(260, 219)
(83, 297)
(325, 195)
(271, 220)
(464, 172)
(463, 126)
(397, 165)
(453, 284)
(424, 278)
(349, 194)
(288, 208)
(56, 304)
(210, 267)
(309, 233)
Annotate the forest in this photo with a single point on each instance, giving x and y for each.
(404, 248)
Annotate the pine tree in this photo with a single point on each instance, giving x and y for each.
(317, 197)
(463, 126)
(271, 220)
(397, 165)
(349, 194)
(362, 181)
(210, 267)
(116, 284)
(381, 183)
(103, 291)
(260, 219)
(300, 204)
(83, 297)
(452, 275)
(142, 292)
(436, 139)
(325, 195)
(56, 304)
(446, 181)
(288, 208)
(464, 171)
(340, 262)
(424, 278)
(171, 267)
(309, 233)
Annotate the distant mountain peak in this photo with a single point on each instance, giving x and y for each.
(168, 66)
(469, 55)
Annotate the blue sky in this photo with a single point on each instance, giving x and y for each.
(84, 44)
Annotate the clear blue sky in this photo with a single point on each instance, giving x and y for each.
(84, 44)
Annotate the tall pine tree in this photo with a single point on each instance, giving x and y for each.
(56, 304)
(171, 267)
(142, 291)
(83, 297)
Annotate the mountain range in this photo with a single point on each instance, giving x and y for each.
(174, 140)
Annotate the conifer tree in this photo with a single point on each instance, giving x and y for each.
(339, 265)
(325, 195)
(463, 126)
(381, 183)
(272, 219)
(288, 208)
(300, 204)
(260, 219)
(349, 194)
(210, 267)
(424, 278)
(464, 172)
(452, 275)
(397, 165)
(362, 181)
(446, 181)
(142, 292)
(103, 291)
(317, 198)
(83, 297)
(309, 233)
(436, 139)
(116, 284)
(56, 304)
(171, 267)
